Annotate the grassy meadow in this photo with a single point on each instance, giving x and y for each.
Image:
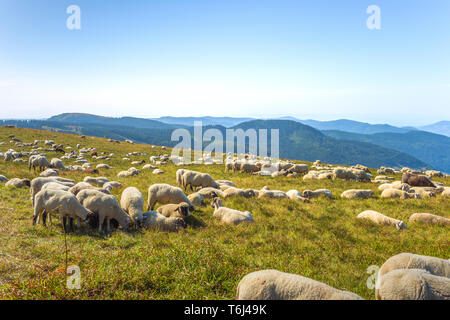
(321, 240)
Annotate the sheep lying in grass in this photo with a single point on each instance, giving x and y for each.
(3, 178)
(49, 173)
(196, 199)
(297, 196)
(399, 194)
(230, 216)
(379, 218)
(164, 194)
(425, 192)
(180, 210)
(357, 194)
(18, 183)
(132, 202)
(434, 265)
(195, 179)
(103, 166)
(106, 206)
(99, 181)
(233, 192)
(412, 284)
(155, 220)
(112, 184)
(37, 183)
(276, 285)
(265, 192)
(317, 193)
(62, 202)
(429, 218)
(210, 193)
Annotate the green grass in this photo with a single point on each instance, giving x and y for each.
(322, 240)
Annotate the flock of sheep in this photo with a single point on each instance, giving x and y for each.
(90, 204)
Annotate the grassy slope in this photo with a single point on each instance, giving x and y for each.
(322, 240)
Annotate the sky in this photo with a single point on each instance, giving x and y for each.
(243, 58)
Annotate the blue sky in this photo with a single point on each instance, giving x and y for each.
(309, 59)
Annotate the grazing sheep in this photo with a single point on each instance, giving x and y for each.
(196, 199)
(37, 183)
(57, 164)
(100, 181)
(106, 206)
(164, 194)
(180, 210)
(179, 176)
(416, 180)
(412, 284)
(434, 265)
(132, 202)
(380, 218)
(198, 179)
(62, 202)
(55, 186)
(394, 193)
(38, 161)
(18, 183)
(429, 218)
(317, 193)
(277, 285)
(85, 185)
(155, 220)
(357, 194)
(230, 216)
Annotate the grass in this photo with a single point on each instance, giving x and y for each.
(322, 240)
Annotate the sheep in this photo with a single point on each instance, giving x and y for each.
(106, 206)
(412, 284)
(57, 164)
(317, 193)
(249, 168)
(429, 218)
(85, 185)
(416, 180)
(157, 171)
(100, 181)
(434, 265)
(164, 194)
(276, 285)
(210, 193)
(198, 179)
(3, 178)
(179, 176)
(112, 184)
(180, 210)
(394, 193)
(38, 161)
(103, 166)
(357, 194)
(271, 194)
(344, 173)
(423, 192)
(49, 173)
(148, 167)
(230, 216)
(18, 183)
(380, 218)
(132, 202)
(155, 220)
(55, 186)
(298, 168)
(233, 192)
(395, 185)
(295, 195)
(446, 193)
(37, 183)
(196, 199)
(128, 173)
(62, 202)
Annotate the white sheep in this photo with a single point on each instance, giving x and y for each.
(155, 220)
(230, 216)
(49, 173)
(18, 183)
(380, 218)
(132, 202)
(57, 164)
(412, 284)
(297, 196)
(106, 206)
(180, 210)
(277, 285)
(196, 199)
(55, 186)
(429, 218)
(37, 183)
(3, 178)
(62, 202)
(38, 161)
(357, 194)
(85, 185)
(234, 192)
(164, 194)
(398, 194)
(99, 181)
(317, 193)
(198, 179)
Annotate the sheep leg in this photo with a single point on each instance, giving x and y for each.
(64, 220)
(108, 226)
(36, 215)
(101, 219)
(70, 224)
(44, 218)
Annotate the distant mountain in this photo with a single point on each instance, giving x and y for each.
(302, 142)
(426, 146)
(83, 118)
(351, 126)
(441, 127)
(206, 121)
(297, 141)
